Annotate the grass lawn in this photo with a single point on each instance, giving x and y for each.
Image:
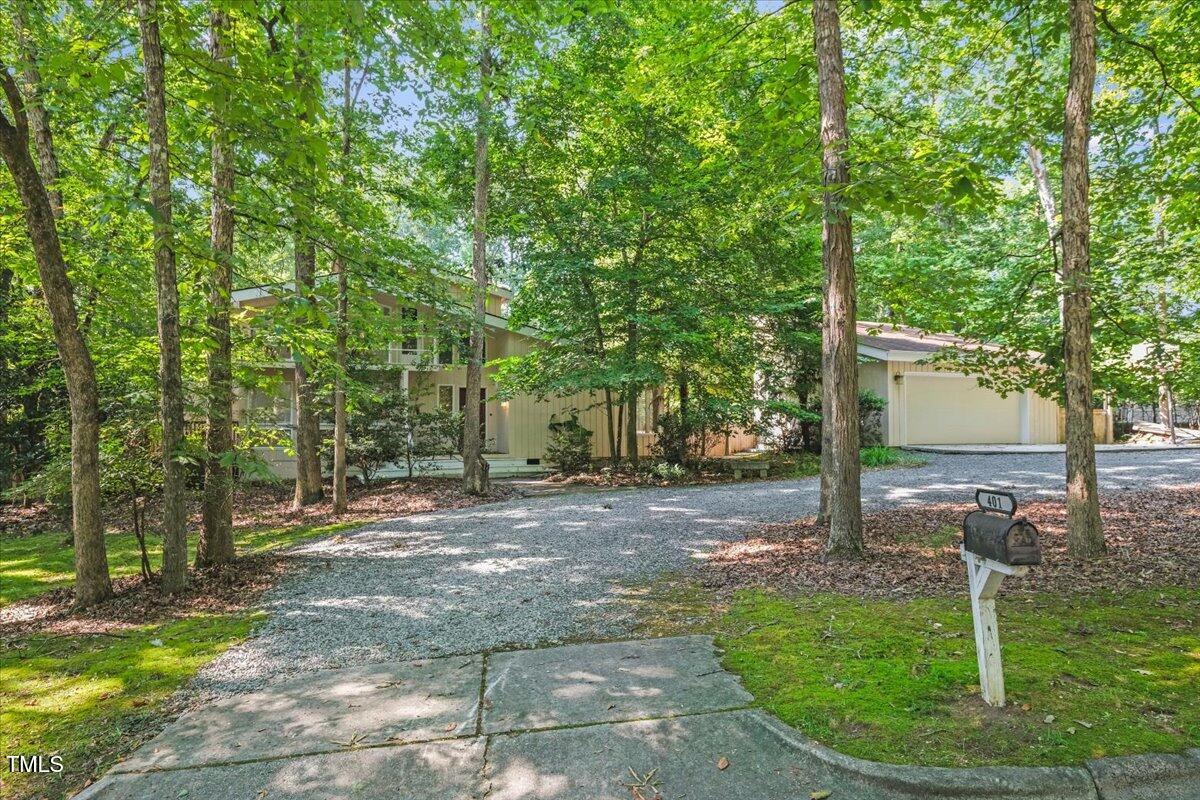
(808, 465)
(896, 681)
(91, 697)
(87, 698)
(31, 565)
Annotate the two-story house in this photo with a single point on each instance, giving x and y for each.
(432, 369)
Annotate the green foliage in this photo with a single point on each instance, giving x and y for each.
(790, 427)
(668, 471)
(676, 437)
(870, 423)
(880, 456)
(897, 681)
(570, 446)
(386, 426)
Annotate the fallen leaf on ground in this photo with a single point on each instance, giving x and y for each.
(820, 794)
(913, 551)
(723, 763)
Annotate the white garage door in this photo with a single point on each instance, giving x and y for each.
(957, 410)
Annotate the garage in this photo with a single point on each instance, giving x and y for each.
(929, 402)
(955, 409)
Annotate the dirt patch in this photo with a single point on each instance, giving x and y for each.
(1153, 540)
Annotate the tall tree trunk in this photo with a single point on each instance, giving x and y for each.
(826, 427)
(309, 489)
(340, 500)
(475, 468)
(1166, 396)
(216, 536)
(92, 584)
(614, 456)
(631, 427)
(602, 355)
(174, 569)
(631, 397)
(1041, 179)
(1085, 535)
(839, 340)
(632, 343)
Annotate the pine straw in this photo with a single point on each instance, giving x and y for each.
(1153, 539)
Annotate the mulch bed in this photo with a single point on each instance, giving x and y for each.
(272, 504)
(1153, 539)
(259, 505)
(218, 590)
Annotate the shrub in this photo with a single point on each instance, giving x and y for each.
(389, 428)
(870, 418)
(791, 427)
(675, 434)
(880, 456)
(570, 445)
(669, 472)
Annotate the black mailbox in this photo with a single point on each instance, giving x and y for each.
(1009, 541)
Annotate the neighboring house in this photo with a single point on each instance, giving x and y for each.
(929, 404)
(433, 371)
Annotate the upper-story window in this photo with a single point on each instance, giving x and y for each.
(445, 350)
(411, 343)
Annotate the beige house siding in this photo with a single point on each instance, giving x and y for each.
(1039, 413)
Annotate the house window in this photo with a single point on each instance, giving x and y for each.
(445, 397)
(408, 319)
(445, 350)
(273, 407)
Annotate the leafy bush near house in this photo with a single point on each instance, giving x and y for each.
(870, 418)
(791, 427)
(674, 441)
(570, 446)
(387, 427)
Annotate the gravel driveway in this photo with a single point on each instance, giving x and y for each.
(542, 570)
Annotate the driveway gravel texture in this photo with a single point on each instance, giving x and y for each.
(543, 570)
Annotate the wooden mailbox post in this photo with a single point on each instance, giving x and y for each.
(994, 547)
